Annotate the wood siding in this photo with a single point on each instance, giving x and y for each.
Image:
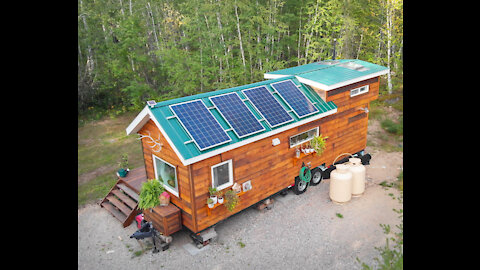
(184, 201)
(269, 168)
(272, 168)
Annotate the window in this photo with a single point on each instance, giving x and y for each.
(358, 91)
(167, 174)
(303, 137)
(222, 175)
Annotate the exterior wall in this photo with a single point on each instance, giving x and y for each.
(272, 168)
(184, 185)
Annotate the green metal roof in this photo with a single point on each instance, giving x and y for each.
(331, 73)
(178, 136)
(326, 75)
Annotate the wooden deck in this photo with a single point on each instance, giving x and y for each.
(135, 178)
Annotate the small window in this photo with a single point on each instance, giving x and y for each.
(303, 137)
(167, 174)
(358, 91)
(222, 175)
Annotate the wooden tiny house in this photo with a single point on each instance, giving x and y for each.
(251, 133)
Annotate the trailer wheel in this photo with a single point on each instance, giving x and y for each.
(300, 186)
(317, 176)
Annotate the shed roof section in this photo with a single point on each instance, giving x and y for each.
(184, 145)
(331, 74)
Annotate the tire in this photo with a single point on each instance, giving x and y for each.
(317, 176)
(300, 186)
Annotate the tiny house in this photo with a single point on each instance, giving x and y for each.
(249, 135)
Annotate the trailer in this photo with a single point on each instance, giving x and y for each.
(250, 136)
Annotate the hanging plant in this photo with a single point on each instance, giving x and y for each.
(319, 144)
(150, 194)
(231, 200)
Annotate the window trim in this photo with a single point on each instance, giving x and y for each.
(367, 88)
(176, 193)
(230, 174)
(304, 141)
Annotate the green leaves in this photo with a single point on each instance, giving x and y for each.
(168, 49)
(150, 194)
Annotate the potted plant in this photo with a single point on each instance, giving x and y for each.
(220, 196)
(210, 203)
(231, 200)
(150, 194)
(213, 194)
(318, 143)
(123, 166)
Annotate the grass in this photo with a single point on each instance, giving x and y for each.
(100, 147)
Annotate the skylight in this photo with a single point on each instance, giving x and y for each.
(353, 66)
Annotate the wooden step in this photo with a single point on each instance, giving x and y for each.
(120, 205)
(129, 191)
(126, 199)
(114, 211)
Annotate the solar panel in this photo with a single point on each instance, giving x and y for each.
(268, 106)
(200, 124)
(295, 98)
(237, 114)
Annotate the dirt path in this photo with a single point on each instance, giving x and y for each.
(300, 232)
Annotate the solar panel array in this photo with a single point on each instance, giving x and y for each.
(200, 124)
(295, 98)
(266, 104)
(237, 114)
(207, 132)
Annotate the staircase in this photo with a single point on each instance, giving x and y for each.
(122, 203)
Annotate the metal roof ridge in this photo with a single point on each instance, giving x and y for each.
(218, 92)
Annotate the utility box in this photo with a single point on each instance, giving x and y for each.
(165, 219)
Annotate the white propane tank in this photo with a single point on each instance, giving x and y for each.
(341, 184)
(358, 176)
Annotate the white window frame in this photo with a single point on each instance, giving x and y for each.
(317, 129)
(360, 90)
(230, 174)
(174, 192)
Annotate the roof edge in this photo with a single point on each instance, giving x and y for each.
(256, 138)
(340, 84)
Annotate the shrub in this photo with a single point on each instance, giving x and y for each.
(393, 127)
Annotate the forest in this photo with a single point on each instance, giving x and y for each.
(133, 51)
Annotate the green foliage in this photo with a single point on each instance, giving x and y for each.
(150, 194)
(231, 200)
(213, 191)
(319, 144)
(167, 49)
(339, 215)
(123, 164)
(393, 127)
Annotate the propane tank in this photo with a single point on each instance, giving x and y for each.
(341, 184)
(358, 176)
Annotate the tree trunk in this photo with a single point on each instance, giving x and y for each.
(389, 44)
(311, 33)
(240, 36)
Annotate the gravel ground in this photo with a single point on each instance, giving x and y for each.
(300, 232)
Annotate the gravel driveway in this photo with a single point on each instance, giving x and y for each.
(300, 232)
